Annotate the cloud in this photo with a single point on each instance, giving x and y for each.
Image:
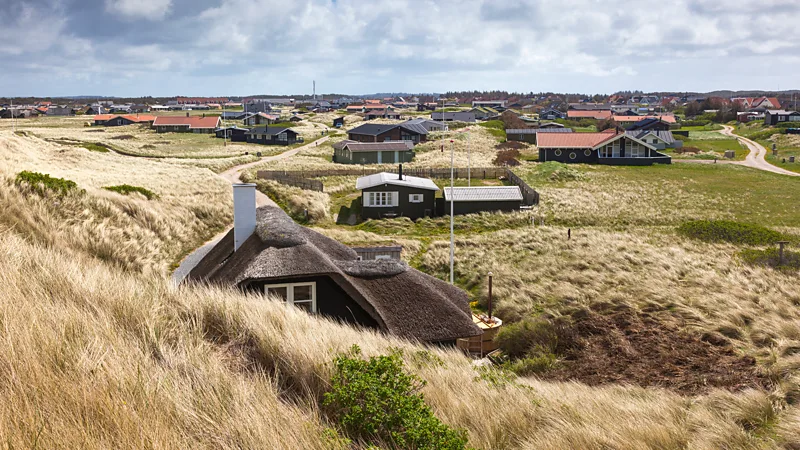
(361, 46)
(139, 9)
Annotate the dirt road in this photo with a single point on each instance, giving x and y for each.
(755, 158)
(234, 176)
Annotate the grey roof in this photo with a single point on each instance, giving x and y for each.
(590, 106)
(400, 299)
(392, 178)
(665, 136)
(462, 116)
(372, 129)
(429, 125)
(781, 112)
(270, 130)
(396, 146)
(538, 130)
(484, 194)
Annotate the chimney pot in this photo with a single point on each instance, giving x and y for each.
(400, 173)
(244, 213)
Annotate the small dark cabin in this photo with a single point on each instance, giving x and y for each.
(387, 195)
(235, 134)
(272, 136)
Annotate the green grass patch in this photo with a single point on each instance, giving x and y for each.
(730, 231)
(126, 189)
(44, 184)
(95, 147)
(284, 124)
(495, 127)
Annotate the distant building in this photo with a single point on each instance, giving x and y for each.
(234, 134)
(604, 148)
(469, 200)
(193, 124)
(551, 114)
(460, 116)
(60, 111)
(490, 103)
(113, 120)
(373, 132)
(597, 114)
(352, 152)
(529, 134)
(338, 122)
(273, 136)
(260, 119)
(386, 195)
(776, 116)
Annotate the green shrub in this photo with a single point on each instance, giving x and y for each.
(95, 147)
(287, 124)
(376, 402)
(557, 172)
(536, 363)
(496, 128)
(770, 257)
(126, 189)
(43, 184)
(766, 134)
(519, 339)
(729, 231)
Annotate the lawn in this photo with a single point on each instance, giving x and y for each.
(787, 145)
(710, 148)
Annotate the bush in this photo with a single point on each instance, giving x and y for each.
(126, 189)
(558, 172)
(729, 231)
(538, 363)
(519, 339)
(43, 184)
(766, 134)
(376, 402)
(507, 158)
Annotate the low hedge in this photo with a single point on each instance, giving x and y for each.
(43, 184)
(126, 189)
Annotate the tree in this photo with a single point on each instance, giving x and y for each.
(609, 123)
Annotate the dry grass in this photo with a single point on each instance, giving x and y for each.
(192, 205)
(124, 360)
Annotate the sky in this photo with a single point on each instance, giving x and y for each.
(134, 48)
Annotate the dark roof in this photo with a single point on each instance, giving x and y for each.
(397, 146)
(269, 130)
(538, 130)
(665, 136)
(402, 300)
(373, 129)
(464, 116)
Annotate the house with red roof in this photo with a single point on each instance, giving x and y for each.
(188, 124)
(600, 114)
(116, 120)
(608, 147)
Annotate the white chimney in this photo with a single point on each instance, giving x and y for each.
(244, 213)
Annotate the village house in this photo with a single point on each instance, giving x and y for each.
(232, 115)
(490, 103)
(60, 111)
(660, 139)
(429, 125)
(188, 124)
(776, 116)
(352, 152)
(338, 122)
(597, 114)
(661, 121)
(260, 119)
(381, 114)
(529, 134)
(267, 253)
(458, 116)
(650, 123)
(551, 114)
(374, 132)
(387, 195)
(470, 200)
(273, 136)
(607, 147)
(234, 134)
(113, 120)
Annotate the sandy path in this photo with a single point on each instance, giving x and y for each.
(755, 158)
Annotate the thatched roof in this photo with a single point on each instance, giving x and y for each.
(402, 300)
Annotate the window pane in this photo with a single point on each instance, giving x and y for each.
(302, 292)
(281, 292)
(307, 306)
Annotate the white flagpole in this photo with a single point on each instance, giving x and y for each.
(452, 199)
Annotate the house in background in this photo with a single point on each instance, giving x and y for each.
(529, 134)
(551, 125)
(267, 253)
(338, 122)
(551, 114)
(234, 134)
(658, 139)
(607, 147)
(490, 103)
(650, 123)
(188, 124)
(380, 252)
(597, 114)
(352, 152)
(375, 132)
(113, 120)
(232, 115)
(776, 116)
(459, 116)
(387, 195)
(94, 110)
(381, 114)
(428, 125)
(469, 200)
(657, 121)
(273, 136)
(60, 111)
(260, 119)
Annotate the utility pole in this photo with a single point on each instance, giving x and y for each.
(452, 198)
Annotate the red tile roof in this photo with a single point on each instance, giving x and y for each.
(572, 140)
(132, 117)
(192, 122)
(665, 118)
(601, 114)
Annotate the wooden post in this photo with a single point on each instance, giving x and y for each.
(569, 233)
(489, 303)
(781, 260)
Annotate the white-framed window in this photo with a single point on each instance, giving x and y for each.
(282, 137)
(637, 151)
(558, 152)
(587, 152)
(415, 198)
(381, 199)
(383, 257)
(302, 295)
(572, 155)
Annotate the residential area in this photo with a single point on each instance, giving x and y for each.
(349, 225)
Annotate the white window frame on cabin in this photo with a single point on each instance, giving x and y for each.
(381, 199)
(290, 300)
(637, 151)
(416, 198)
(282, 137)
